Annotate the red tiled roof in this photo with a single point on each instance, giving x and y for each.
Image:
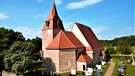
(90, 37)
(53, 16)
(53, 13)
(88, 48)
(64, 40)
(84, 57)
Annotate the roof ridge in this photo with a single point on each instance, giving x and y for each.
(65, 40)
(84, 57)
(60, 38)
(81, 58)
(68, 38)
(82, 26)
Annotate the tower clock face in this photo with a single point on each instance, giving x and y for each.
(48, 31)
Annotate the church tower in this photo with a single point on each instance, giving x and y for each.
(51, 28)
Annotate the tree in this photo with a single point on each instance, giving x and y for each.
(7, 38)
(106, 43)
(110, 50)
(121, 41)
(19, 57)
(124, 49)
(37, 42)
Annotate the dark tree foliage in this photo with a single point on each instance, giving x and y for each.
(106, 42)
(19, 57)
(37, 42)
(124, 50)
(7, 38)
(111, 50)
(122, 41)
(120, 45)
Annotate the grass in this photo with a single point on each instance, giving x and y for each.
(115, 73)
(133, 48)
(105, 68)
(80, 73)
(130, 69)
(37, 66)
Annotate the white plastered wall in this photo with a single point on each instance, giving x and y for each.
(79, 35)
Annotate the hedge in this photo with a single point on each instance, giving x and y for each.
(124, 57)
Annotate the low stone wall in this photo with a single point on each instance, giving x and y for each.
(6, 73)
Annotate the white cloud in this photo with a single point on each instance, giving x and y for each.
(24, 30)
(68, 26)
(3, 16)
(39, 16)
(40, 1)
(58, 1)
(103, 32)
(129, 29)
(29, 32)
(81, 4)
(100, 29)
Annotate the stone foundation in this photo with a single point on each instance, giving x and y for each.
(6, 73)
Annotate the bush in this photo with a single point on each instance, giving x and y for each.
(110, 50)
(119, 57)
(124, 49)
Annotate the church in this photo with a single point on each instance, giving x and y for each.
(64, 50)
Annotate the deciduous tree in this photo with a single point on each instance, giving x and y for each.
(124, 49)
(7, 37)
(19, 57)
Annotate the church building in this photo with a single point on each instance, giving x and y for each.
(64, 50)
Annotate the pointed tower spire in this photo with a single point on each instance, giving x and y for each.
(53, 13)
(53, 20)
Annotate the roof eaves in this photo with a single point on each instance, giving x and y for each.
(99, 48)
(58, 48)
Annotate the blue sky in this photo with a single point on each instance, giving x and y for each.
(108, 19)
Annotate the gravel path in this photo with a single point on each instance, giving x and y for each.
(110, 69)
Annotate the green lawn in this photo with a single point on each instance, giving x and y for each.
(130, 70)
(133, 48)
(80, 73)
(105, 68)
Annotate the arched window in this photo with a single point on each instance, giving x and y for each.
(58, 23)
(47, 24)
